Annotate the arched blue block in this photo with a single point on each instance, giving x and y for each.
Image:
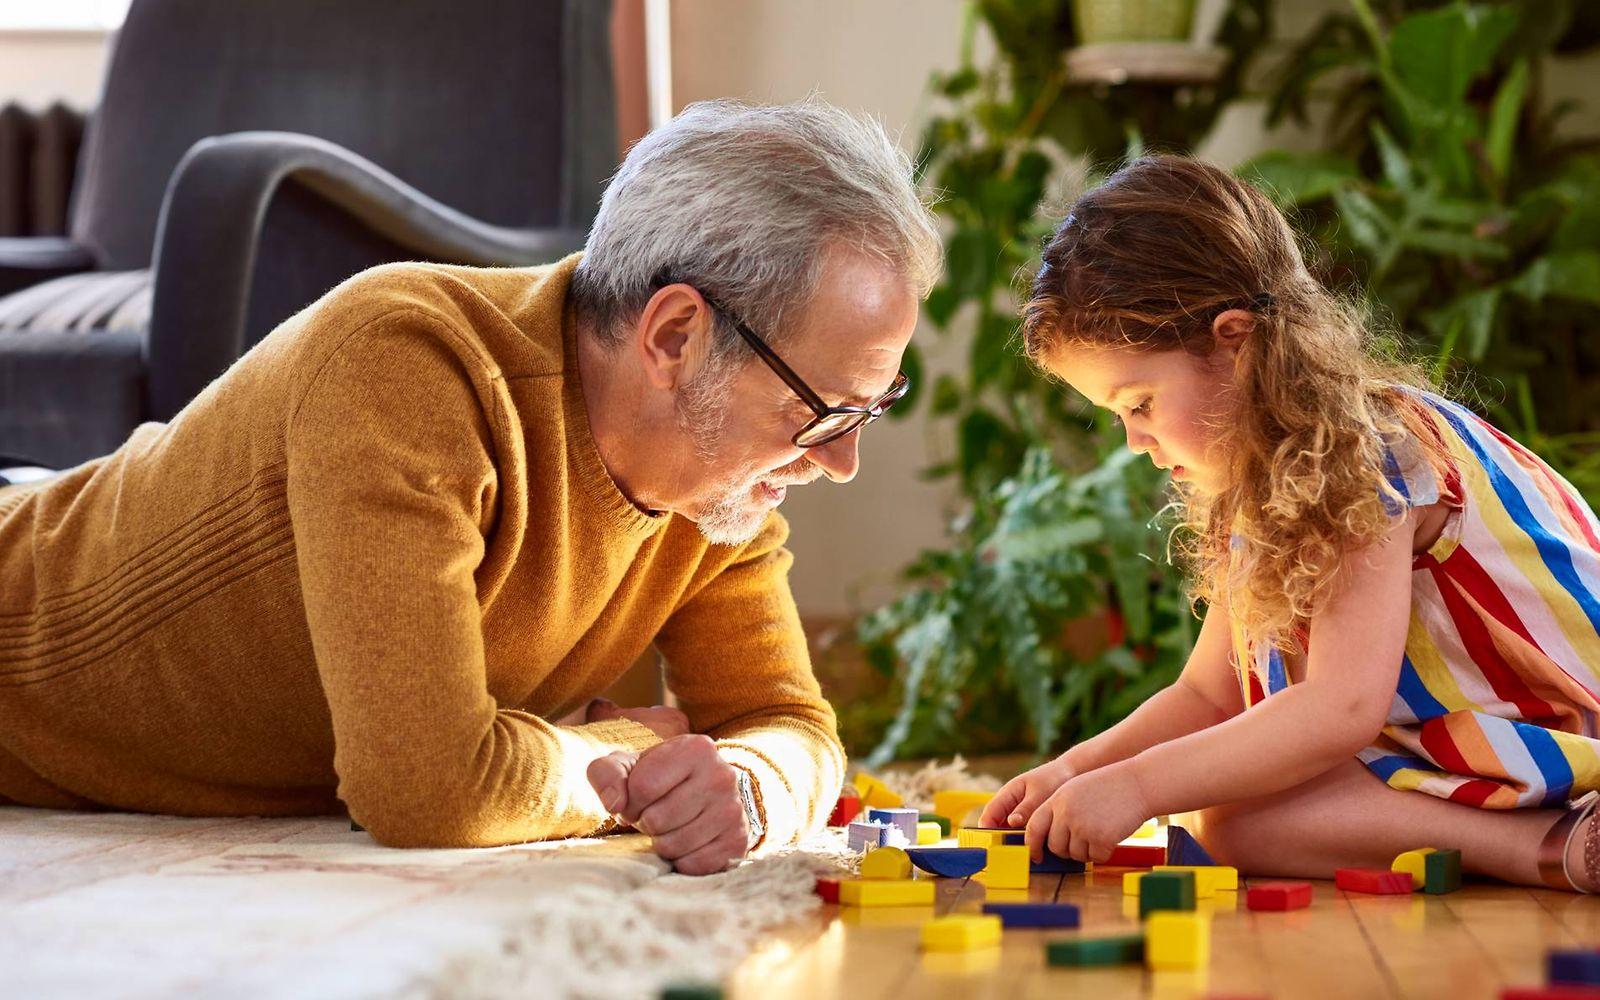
(950, 862)
(1183, 849)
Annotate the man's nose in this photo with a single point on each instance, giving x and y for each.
(840, 459)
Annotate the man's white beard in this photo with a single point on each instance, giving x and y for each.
(731, 521)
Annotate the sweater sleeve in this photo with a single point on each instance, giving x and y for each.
(737, 660)
(392, 488)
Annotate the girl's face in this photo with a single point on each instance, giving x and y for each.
(1171, 403)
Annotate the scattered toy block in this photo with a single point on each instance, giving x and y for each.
(1413, 863)
(1376, 881)
(1177, 940)
(1137, 856)
(1119, 950)
(846, 809)
(1169, 890)
(949, 862)
(904, 820)
(956, 804)
(1183, 849)
(961, 932)
(1442, 872)
(1051, 863)
(1208, 879)
(1550, 993)
(928, 833)
(980, 836)
(886, 863)
(1573, 967)
(943, 822)
(1007, 867)
(1130, 883)
(1278, 896)
(877, 892)
(1148, 829)
(828, 889)
(863, 834)
(874, 793)
(1034, 914)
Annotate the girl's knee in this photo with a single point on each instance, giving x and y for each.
(1224, 832)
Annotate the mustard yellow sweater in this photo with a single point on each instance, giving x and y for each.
(369, 563)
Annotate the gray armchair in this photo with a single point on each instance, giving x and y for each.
(247, 156)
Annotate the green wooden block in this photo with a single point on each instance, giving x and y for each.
(1119, 950)
(1442, 872)
(943, 821)
(1166, 891)
(689, 991)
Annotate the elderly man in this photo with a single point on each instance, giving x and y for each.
(429, 517)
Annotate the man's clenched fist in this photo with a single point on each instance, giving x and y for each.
(684, 796)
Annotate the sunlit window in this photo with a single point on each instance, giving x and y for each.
(62, 15)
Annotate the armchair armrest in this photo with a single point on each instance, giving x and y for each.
(29, 260)
(207, 266)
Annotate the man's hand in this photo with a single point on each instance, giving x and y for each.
(683, 795)
(664, 721)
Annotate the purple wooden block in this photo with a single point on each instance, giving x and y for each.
(1573, 968)
(950, 862)
(1034, 914)
(1183, 849)
(863, 834)
(905, 819)
(1054, 864)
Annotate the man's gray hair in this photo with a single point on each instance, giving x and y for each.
(744, 202)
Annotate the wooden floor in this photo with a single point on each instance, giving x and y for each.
(1462, 946)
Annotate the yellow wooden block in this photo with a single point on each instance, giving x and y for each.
(874, 793)
(1148, 830)
(1177, 939)
(961, 932)
(969, 837)
(956, 805)
(1130, 883)
(1414, 863)
(886, 863)
(1208, 879)
(1007, 867)
(929, 833)
(876, 892)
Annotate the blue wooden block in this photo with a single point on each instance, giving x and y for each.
(1034, 914)
(1573, 968)
(1182, 849)
(904, 819)
(1054, 864)
(949, 862)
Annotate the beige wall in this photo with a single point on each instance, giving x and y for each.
(874, 56)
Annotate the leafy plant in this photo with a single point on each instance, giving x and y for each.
(1448, 193)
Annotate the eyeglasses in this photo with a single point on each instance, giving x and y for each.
(830, 423)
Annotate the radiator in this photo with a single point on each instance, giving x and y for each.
(38, 155)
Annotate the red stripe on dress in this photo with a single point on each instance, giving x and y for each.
(1441, 747)
(1537, 468)
(1474, 792)
(1257, 695)
(1462, 572)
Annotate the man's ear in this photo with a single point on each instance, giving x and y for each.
(673, 335)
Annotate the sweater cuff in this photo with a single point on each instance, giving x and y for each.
(617, 734)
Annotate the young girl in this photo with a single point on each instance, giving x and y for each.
(1402, 628)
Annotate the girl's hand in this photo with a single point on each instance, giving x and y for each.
(1013, 804)
(1089, 814)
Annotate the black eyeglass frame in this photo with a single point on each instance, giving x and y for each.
(821, 410)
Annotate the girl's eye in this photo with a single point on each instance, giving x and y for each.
(1143, 409)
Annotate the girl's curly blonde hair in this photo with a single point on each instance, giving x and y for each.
(1146, 262)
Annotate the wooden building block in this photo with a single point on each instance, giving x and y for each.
(1007, 867)
(1148, 829)
(1182, 849)
(1169, 890)
(942, 821)
(1054, 864)
(1119, 950)
(949, 862)
(874, 892)
(1573, 967)
(1208, 879)
(1278, 896)
(1177, 940)
(1442, 872)
(846, 809)
(1034, 914)
(1130, 883)
(1137, 856)
(1413, 863)
(960, 805)
(902, 819)
(828, 889)
(865, 834)
(874, 793)
(1376, 881)
(886, 863)
(928, 833)
(961, 932)
(978, 836)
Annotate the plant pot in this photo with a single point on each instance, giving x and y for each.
(1133, 20)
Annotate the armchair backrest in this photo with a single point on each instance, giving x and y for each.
(501, 109)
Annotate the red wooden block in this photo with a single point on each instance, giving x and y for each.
(828, 889)
(1550, 993)
(1278, 896)
(1378, 881)
(1137, 856)
(845, 810)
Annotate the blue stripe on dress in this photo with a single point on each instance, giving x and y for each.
(1391, 472)
(1555, 554)
(1277, 677)
(1552, 762)
(1385, 767)
(1416, 694)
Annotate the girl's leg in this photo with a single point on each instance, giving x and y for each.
(1347, 817)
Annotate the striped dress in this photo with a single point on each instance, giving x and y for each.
(1500, 680)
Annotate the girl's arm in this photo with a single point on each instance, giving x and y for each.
(1357, 641)
(1205, 694)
